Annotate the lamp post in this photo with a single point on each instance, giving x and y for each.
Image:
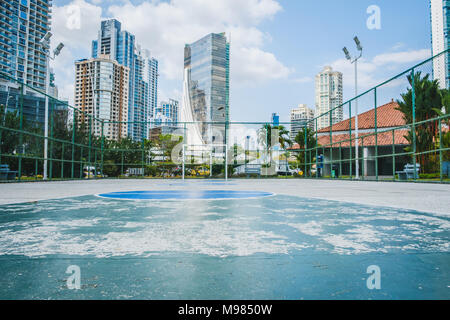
(355, 62)
(45, 43)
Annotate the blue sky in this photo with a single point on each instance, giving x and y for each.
(277, 46)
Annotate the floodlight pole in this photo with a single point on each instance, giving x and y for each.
(355, 61)
(356, 119)
(47, 86)
(184, 147)
(45, 43)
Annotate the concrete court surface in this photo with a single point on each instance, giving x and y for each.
(424, 197)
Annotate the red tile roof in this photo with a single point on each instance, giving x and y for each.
(387, 117)
(384, 139)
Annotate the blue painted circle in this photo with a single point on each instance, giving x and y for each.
(184, 195)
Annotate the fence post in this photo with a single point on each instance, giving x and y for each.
(331, 144)
(50, 151)
(21, 131)
(306, 146)
(122, 165)
(376, 135)
(317, 152)
(102, 145)
(81, 162)
(74, 126)
(90, 146)
(350, 137)
(226, 151)
(413, 77)
(184, 146)
(143, 155)
(363, 159)
(393, 153)
(340, 159)
(62, 160)
(441, 171)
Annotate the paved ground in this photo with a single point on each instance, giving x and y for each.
(432, 198)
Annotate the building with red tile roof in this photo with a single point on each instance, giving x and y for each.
(336, 142)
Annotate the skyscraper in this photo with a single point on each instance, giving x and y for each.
(206, 88)
(23, 24)
(299, 119)
(145, 93)
(440, 28)
(121, 46)
(328, 96)
(101, 90)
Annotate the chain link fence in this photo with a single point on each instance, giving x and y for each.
(404, 136)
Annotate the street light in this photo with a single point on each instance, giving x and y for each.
(355, 61)
(45, 43)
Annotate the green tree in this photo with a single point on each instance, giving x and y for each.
(428, 99)
(302, 156)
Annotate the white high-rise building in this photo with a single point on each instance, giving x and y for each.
(440, 16)
(328, 96)
(301, 116)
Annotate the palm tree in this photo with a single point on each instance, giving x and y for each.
(265, 138)
(428, 99)
(302, 157)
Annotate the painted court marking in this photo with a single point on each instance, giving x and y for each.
(185, 195)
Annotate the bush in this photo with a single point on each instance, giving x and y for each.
(150, 171)
(429, 176)
(110, 169)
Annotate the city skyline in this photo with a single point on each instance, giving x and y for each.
(271, 69)
(265, 51)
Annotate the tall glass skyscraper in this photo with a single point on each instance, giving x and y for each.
(23, 23)
(440, 36)
(121, 46)
(207, 88)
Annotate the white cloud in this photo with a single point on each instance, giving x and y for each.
(75, 25)
(303, 80)
(402, 57)
(252, 65)
(165, 27)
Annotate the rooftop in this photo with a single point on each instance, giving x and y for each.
(387, 117)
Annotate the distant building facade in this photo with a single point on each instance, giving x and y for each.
(440, 34)
(275, 119)
(33, 104)
(168, 109)
(300, 117)
(23, 24)
(329, 95)
(101, 90)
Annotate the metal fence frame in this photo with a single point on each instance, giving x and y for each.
(91, 151)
